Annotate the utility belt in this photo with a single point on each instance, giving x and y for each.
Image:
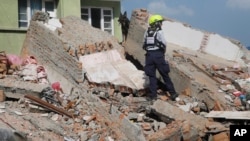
(152, 48)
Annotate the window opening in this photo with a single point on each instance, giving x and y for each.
(95, 17)
(99, 17)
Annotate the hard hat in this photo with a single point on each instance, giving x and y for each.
(155, 18)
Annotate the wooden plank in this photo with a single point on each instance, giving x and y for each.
(237, 115)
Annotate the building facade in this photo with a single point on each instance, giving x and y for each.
(16, 16)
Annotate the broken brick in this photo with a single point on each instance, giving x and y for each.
(146, 126)
(223, 136)
(2, 96)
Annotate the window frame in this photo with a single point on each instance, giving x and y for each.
(103, 28)
(43, 6)
(24, 14)
(28, 11)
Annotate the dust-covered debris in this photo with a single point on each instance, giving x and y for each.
(73, 108)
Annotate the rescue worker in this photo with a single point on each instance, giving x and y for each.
(155, 47)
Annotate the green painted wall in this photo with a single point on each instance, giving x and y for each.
(11, 37)
(8, 14)
(69, 8)
(12, 42)
(116, 5)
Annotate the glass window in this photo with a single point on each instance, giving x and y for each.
(23, 24)
(23, 17)
(85, 14)
(22, 13)
(106, 12)
(107, 19)
(35, 5)
(107, 25)
(102, 16)
(26, 9)
(49, 6)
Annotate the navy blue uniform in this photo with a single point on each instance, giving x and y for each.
(155, 59)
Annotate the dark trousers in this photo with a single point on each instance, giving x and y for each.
(156, 60)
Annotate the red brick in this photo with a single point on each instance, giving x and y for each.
(221, 137)
(2, 96)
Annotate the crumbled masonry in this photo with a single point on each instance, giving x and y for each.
(101, 87)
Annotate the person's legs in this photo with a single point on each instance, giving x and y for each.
(163, 68)
(150, 71)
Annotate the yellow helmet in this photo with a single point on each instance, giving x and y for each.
(155, 18)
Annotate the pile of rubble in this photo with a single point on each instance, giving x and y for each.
(6, 64)
(70, 104)
(209, 86)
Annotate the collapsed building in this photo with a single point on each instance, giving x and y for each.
(102, 94)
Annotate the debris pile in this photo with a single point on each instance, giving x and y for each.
(206, 82)
(75, 92)
(9, 64)
(26, 68)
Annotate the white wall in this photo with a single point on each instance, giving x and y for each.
(224, 48)
(177, 33)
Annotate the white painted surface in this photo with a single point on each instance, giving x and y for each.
(178, 34)
(184, 36)
(222, 47)
(109, 66)
(53, 24)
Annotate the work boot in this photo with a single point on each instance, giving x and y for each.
(174, 97)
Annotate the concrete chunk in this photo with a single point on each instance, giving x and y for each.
(166, 110)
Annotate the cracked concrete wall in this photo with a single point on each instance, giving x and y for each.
(215, 44)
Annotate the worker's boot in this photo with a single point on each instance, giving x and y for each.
(174, 97)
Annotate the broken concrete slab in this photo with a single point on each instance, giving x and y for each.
(110, 67)
(10, 135)
(14, 88)
(230, 115)
(132, 131)
(49, 125)
(165, 110)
